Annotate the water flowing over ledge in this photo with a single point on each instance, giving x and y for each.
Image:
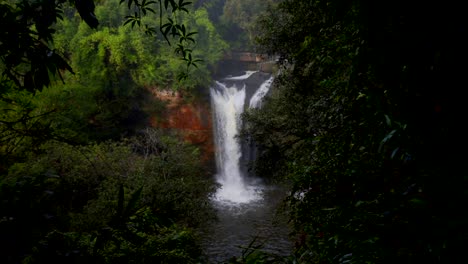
(246, 207)
(257, 98)
(228, 102)
(241, 77)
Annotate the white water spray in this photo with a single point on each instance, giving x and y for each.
(228, 105)
(256, 100)
(242, 77)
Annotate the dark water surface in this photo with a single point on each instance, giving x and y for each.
(239, 224)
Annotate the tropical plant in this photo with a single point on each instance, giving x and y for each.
(360, 124)
(132, 202)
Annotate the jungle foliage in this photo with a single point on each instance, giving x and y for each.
(103, 77)
(81, 178)
(365, 123)
(236, 20)
(113, 202)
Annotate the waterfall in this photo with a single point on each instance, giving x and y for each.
(242, 77)
(256, 100)
(246, 207)
(228, 103)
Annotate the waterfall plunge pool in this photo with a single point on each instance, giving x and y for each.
(246, 208)
(239, 224)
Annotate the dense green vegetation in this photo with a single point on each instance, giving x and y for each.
(366, 124)
(107, 73)
(81, 177)
(112, 202)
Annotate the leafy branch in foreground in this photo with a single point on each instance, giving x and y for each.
(169, 29)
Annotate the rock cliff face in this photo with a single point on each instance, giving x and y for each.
(190, 117)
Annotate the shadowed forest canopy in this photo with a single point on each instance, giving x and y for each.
(366, 123)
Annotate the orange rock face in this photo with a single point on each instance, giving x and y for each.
(191, 118)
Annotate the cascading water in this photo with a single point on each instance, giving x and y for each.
(242, 77)
(246, 208)
(256, 100)
(228, 106)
